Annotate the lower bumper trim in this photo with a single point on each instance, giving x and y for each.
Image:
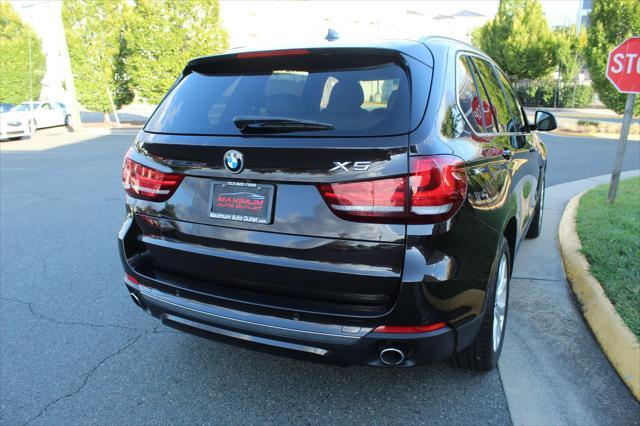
(168, 318)
(251, 323)
(223, 324)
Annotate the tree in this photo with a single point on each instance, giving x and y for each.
(15, 37)
(570, 51)
(94, 32)
(611, 22)
(519, 39)
(162, 36)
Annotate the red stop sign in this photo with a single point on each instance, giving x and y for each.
(623, 66)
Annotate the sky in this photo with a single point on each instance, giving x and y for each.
(281, 22)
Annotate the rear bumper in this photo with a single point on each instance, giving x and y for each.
(429, 293)
(13, 132)
(330, 343)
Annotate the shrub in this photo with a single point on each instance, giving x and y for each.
(541, 93)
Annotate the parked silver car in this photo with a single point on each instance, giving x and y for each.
(43, 114)
(12, 124)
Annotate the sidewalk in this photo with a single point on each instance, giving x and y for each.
(552, 369)
(134, 114)
(47, 139)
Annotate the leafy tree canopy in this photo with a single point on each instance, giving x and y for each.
(14, 58)
(570, 51)
(612, 21)
(162, 36)
(519, 39)
(94, 32)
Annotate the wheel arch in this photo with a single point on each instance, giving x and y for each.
(511, 234)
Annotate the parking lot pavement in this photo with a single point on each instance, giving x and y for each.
(75, 350)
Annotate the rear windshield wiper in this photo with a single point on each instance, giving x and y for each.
(259, 124)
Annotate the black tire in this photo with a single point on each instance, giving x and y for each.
(67, 120)
(480, 355)
(536, 223)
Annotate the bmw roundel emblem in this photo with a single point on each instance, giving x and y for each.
(234, 161)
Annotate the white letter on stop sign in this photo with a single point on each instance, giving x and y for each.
(618, 59)
(631, 57)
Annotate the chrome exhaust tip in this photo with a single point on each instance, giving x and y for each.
(392, 356)
(136, 299)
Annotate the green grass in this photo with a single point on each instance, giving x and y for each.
(610, 237)
(588, 123)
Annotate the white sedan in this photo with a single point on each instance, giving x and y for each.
(13, 126)
(43, 114)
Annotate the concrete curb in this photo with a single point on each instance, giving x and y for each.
(619, 344)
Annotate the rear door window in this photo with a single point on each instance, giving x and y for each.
(493, 91)
(473, 98)
(514, 105)
(468, 96)
(368, 100)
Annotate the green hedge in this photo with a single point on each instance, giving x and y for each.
(542, 93)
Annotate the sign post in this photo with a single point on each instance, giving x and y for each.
(623, 70)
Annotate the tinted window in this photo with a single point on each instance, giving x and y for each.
(516, 110)
(368, 101)
(26, 107)
(494, 93)
(468, 98)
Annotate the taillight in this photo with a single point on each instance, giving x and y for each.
(432, 192)
(403, 329)
(133, 279)
(146, 183)
(437, 186)
(374, 198)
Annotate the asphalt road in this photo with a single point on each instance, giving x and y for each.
(573, 158)
(75, 350)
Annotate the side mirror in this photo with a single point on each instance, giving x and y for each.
(545, 121)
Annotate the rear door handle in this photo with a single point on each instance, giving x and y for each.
(507, 154)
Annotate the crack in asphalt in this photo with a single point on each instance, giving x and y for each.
(87, 376)
(38, 315)
(91, 372)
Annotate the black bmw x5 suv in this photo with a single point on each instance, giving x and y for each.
(360, 204)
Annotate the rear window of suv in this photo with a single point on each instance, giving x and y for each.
(370, 98)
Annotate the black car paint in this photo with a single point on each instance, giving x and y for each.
(394, 274)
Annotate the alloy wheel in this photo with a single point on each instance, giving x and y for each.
(500, 303)
(541, 206)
